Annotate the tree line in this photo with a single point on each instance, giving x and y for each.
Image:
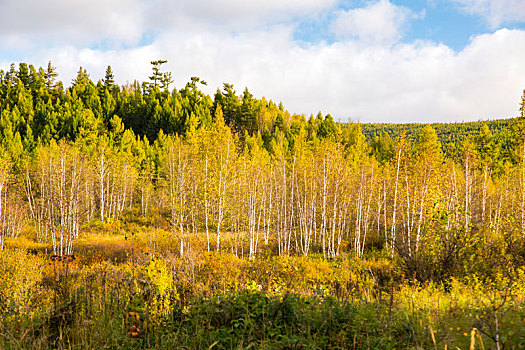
(451, 135)
(245, 172)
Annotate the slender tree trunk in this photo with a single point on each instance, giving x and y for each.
(335, 216)
(523, 189)
(407, 221)
(393, 229)
(206, 199)
(358, 215)
(222, 191)
(367, 212)
(323, 212)
(486, 177)
(292, 207)
(467, 193)
(102, 176)
(421, 207)
(4, 173)
(271, 185)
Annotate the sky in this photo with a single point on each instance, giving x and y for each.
(359, 60)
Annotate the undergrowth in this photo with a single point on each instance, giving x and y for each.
(128, 288)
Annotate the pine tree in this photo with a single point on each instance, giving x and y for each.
(109, 79)
(50, 77)
(157, 76)
(23, 74)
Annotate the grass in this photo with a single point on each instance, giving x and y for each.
(129, 288)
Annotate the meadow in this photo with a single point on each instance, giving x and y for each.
(127, 287)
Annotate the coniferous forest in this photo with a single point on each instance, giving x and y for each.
(149, 216)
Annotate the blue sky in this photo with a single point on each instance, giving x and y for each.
(444, 23)
(441, 22)
(367, 60)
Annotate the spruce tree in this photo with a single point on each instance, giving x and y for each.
(50, 77)
(109, 79)
(157, 76)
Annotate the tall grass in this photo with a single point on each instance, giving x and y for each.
(120, 291)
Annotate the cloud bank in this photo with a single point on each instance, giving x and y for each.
(377, 23)
(495, 12)
(366, 73)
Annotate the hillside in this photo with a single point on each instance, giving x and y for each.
(449, 134)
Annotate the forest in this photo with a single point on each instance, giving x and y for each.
(146, 216)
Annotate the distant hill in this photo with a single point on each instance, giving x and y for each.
(451, 135)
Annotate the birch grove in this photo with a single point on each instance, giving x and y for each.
(309, 198)
(59, 176)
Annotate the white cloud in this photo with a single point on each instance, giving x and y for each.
(110, 23)
(369, 80)
(420, 82)
(230, 14)
(495, 12)
(232, 8)
(83, 22)
(379, 22)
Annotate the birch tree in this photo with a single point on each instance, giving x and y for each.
(60, 175)
(4, 178)
(178, 179)
(220, 162)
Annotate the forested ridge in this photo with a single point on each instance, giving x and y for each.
(175, 177)
(451, 135)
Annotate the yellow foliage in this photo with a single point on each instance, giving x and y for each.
(20, 276)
